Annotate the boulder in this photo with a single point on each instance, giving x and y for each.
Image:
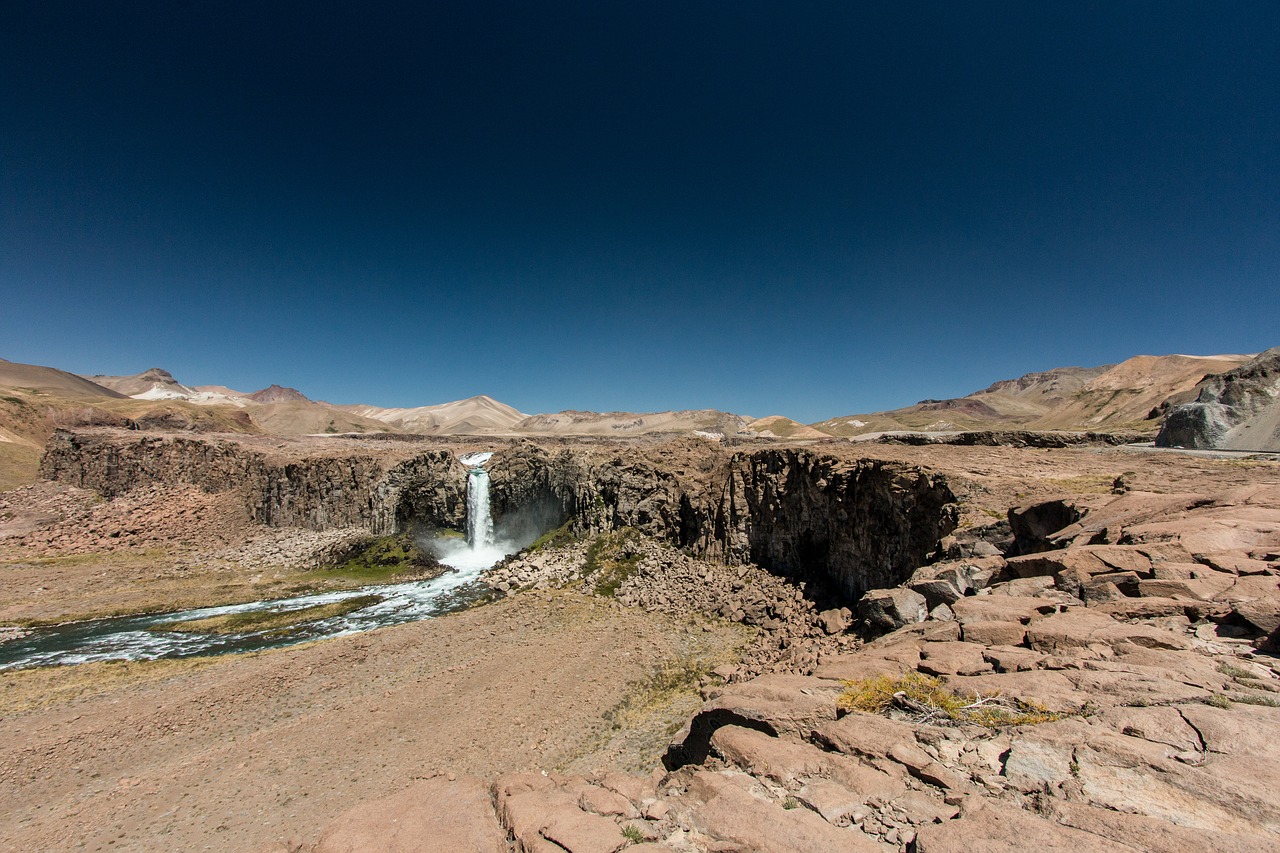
(889, 609)
(836, 620)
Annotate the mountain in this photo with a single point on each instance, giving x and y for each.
(1129, 395)
(152, 384)
(631, 423)
(778, 426)
(279, 394)
(1236, 410)
(474, 415)
(35, 400)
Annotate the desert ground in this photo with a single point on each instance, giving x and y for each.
(262, 751)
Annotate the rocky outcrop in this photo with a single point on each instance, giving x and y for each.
(854, 525)
(1236, 410)
(319, 492)
(1016, 438)
(1113, 696)
(846, 525)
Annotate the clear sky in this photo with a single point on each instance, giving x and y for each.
(812, 209)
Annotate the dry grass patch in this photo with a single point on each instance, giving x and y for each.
(1084, 484)
(48, 686)
(925, 699)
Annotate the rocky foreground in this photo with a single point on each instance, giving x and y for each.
(1112, 689)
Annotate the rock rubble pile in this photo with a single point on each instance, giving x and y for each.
(647, 573)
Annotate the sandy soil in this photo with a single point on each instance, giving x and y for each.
(242, 751)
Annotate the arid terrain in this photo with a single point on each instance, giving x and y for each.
(990, 640)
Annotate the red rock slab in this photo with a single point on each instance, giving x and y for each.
(430, 816)
(953, 658)
(999, 828)
(788, 704)
(1079, 628)
(868, 735)
(995, 633)
(726, 809)
(988, 608)
(1146, 833)
(786, 762)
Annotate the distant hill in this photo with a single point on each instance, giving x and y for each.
(152, 384)
(1135, 394)
(474, 415)
(709, 421)
(778, 426)
(1129, 395)
(51, 380)
(279, 394)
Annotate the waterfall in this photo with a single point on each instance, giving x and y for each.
(479, 520)
(482, 548)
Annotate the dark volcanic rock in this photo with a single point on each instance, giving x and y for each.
(847, 525)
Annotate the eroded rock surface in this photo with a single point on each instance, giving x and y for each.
(1148, 716)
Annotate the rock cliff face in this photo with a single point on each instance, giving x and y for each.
(850, 525)
(319, 492)
(1236, 410)
(856, 524)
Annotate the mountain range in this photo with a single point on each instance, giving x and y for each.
(1135, 394)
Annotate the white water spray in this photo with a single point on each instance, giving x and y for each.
(482, 548)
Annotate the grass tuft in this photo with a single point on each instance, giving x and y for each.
(926, 699)
(611, 559)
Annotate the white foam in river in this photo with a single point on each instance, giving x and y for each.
(128, 638)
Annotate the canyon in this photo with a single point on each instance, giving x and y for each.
(704, 641)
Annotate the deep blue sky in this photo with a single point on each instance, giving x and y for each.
(804, 208)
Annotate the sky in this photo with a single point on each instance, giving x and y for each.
(809, 209)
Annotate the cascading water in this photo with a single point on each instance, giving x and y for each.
(479, 520)
(144, 637)
(482, 548)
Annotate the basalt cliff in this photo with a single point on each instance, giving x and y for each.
(844, 524)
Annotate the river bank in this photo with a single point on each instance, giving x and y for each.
(235, 752)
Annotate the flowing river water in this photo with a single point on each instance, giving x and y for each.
(143, 637)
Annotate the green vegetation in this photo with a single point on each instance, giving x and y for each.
(611, 558)
(383, 560)
(558, 538)
(632, 834)
(46, 686)
(268, 620)
(927, 699)
(790, 803)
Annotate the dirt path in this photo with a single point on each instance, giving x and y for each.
(243, 751)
